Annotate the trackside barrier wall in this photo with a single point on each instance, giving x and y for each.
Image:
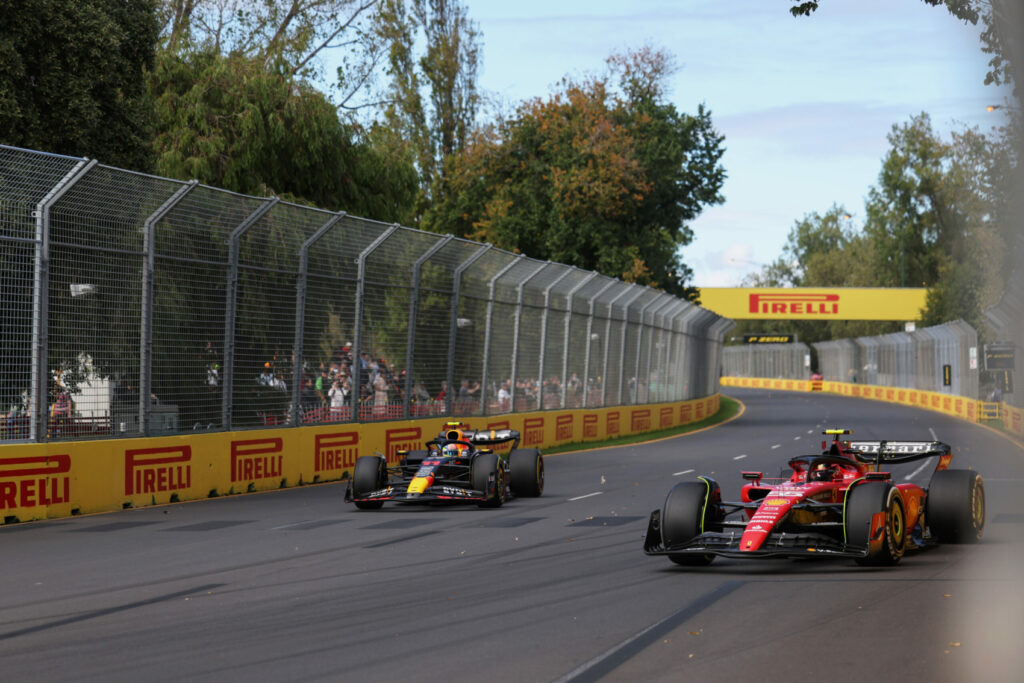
(59, 479)
(136, 306)
(958, 406)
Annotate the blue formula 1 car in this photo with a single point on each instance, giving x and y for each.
(456, 467)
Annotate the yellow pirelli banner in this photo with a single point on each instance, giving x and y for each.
(39, 481)
(805, 303)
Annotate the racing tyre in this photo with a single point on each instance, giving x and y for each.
(484, 467)
(369, 475)
(955, 507)
(690, 510)
(527, 472)
(863, 502)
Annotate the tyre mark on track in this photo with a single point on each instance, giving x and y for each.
(612, 658)
(110, 610)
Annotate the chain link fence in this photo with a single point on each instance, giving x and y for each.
(777, 361)
(943, 358)
(136, 305)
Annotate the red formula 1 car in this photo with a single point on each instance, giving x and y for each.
(836, 504)
(456, 467)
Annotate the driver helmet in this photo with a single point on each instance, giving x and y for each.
(450, 450)
(823, 472)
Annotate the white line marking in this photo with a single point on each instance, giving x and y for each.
(683, 472)
(597, 493)
(918, 470)
(796, 438)
(810, 431)
(778, 445)
(932, 432)
(288, 526)
(740, 457)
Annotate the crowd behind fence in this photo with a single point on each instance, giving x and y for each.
(944, 358)
(136, 305)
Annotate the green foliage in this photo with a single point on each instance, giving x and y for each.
(591, 178)
(72, 78)
(228, 122)
(937, 218)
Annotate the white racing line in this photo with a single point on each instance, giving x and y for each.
(596, 493)
(676, 474)
(926, 463)
(740, 457)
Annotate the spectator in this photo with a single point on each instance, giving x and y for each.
(338, 394)
(505, 396)
(380, 395)
(322, 384)
(266, 377)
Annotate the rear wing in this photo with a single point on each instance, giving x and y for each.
(874, 452)
(489, 437)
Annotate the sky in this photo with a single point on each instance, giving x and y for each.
(805, 104)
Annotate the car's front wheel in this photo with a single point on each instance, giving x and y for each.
(689, 510)
(874, 519)
(488, 475)
(370, 474)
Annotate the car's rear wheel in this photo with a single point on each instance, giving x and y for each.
(884, 537)
(370, 474)
(955, 506)
(485, 469)
(690, 509)
(527, 472)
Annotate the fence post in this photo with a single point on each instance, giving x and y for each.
(357, 345)
(414, 307)
(146, 331)
(515, 335)
(625, 328)
(487, 331)
(568, 329)
(301, 283)
(607, 341)
(38, 425)
(639, 348)
(544, 333)
(453, 323)
(667, 299)
(590, 331)
(230, 304)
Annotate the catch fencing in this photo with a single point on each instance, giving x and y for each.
(136, 305)
(778, 361)
(943, 358)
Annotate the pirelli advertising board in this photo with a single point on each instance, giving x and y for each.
(804, 303)
(39, 481)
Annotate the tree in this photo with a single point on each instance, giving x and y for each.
(288, 37)
(72, 78)
(228, 122)
(601, 179)
(433, 98)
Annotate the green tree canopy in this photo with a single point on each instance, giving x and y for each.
(600, 178)
(72, 77)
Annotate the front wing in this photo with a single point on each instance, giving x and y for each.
(445, 493)
(779, 544)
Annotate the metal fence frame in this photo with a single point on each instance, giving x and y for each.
(272, 279)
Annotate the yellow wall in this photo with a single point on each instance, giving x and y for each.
(814, 303)
(39, 481)
(967, 408)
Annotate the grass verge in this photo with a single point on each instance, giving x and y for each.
(729, 409)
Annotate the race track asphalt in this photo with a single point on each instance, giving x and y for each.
(295, 585)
